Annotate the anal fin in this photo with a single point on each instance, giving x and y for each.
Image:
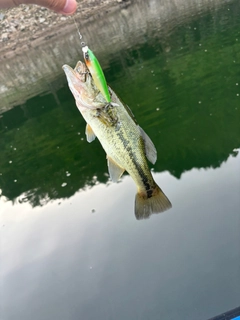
(115, 171)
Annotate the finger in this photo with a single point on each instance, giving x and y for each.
(5, 4)
(60, 6)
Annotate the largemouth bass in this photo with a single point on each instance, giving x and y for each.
(126, 144)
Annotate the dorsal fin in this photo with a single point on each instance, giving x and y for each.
(150, 150)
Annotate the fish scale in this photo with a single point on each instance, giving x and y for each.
(126, 144)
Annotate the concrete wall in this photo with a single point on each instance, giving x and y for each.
(37, 68)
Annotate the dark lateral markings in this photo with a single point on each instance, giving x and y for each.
(143, 176)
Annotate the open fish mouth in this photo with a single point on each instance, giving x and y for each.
(82, 87)
(77, 74)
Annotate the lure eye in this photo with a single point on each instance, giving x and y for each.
(85, 52)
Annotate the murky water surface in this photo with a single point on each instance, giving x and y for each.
(71, 247)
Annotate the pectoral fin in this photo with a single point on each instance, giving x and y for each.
(89, 133)
(115, 171)
(150, 150)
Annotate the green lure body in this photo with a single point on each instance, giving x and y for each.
(96, 72)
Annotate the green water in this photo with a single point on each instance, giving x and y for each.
(184, 90)
(184, 94)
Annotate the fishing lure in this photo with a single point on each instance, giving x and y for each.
(95, 69)
(96, 72)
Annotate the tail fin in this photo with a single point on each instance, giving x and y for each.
(145, 206)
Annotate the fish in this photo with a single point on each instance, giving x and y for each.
(126, 144)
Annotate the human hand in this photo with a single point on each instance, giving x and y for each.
(60, 6)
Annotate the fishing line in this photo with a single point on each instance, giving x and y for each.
(80, 36)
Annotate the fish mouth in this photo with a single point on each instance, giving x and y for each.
(76, 82)
(70, 74)
(67, 68)
(81, 68)
(82, 87)
(77, 74)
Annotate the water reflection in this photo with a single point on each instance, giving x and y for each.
(183, 92)
(98, 261)
(45, 161)
(181, 85)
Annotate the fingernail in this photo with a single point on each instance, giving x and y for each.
(70, 7)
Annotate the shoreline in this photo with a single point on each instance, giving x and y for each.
(23, 27)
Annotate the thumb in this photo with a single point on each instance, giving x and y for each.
(60, 6)
(70, 6)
